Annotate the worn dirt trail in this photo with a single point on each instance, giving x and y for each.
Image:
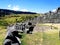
(41, 28)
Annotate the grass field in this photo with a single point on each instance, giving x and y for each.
(2, 35)
(49, 37)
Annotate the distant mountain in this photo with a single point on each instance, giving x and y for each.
(4, 12)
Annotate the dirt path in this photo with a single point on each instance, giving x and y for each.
(41, 28)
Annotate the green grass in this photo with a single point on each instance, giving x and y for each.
(51, 38)
(32, 39)
(46, 38)
(2, 35)
(27, 39)
(11, 19)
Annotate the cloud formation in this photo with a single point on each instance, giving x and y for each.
(16, 8)
(53, 10)
(9, 6)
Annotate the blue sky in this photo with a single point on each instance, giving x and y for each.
(40, 6)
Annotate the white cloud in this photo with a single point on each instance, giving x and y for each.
(15, 8)
(53, 10)
(9, 6)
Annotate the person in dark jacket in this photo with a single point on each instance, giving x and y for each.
(31, 27)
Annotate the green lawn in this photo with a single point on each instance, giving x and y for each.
(49, 37)
(32, 39)
(2, 35)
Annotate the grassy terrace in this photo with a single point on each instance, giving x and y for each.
(49, 37)
(11, 19)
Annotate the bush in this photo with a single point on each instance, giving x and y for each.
(3, 23)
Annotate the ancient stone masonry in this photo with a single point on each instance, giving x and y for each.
(13, 37)
(50, 17)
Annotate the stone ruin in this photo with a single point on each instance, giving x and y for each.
(13, 37)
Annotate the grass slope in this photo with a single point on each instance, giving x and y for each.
(50, 37)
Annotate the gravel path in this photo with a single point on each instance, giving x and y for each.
(41, 28)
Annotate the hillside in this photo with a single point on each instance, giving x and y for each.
(42, 33)
(4, 12)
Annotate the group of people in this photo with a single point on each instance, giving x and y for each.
(13, 36)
